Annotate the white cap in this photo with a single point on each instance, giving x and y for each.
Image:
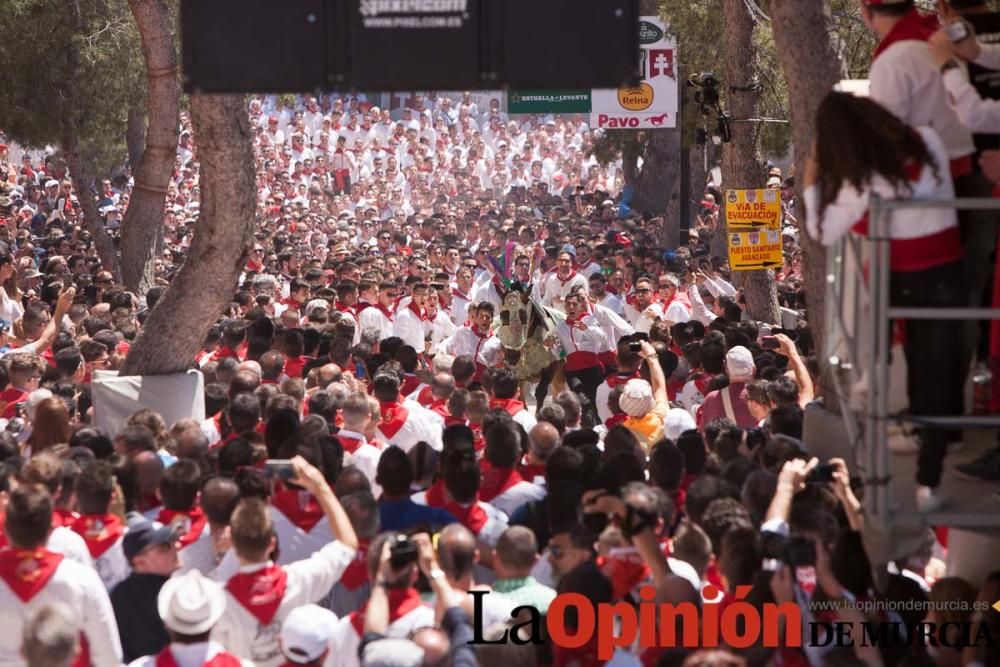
(739, 364)
(637, 398)
(191, 604)
(678, 420)
(306, 633)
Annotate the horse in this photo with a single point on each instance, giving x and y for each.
(527, 333)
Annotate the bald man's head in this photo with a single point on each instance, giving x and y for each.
(544, 439)
(251, 366)
(329, 373)
(442, 385)
(457, 551)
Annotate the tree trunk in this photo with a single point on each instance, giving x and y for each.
(742, 166)
(144, 217)
(811, 66)
(135, 134)
(630, 162)
(83, 183)
(176, 327)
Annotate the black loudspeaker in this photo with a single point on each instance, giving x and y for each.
(254, 46)
(573, 44)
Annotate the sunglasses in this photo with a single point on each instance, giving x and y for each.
(643, 290)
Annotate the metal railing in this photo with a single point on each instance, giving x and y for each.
(859, 318)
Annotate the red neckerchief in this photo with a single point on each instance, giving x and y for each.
(619, 379)
(63, 517)
(615, 420)
(224, 352)
(298, 506)
(572, 274)
(410, 384)
(472, 517)
(437, 495)
(341, 308)
(913, 26)
(221, 659)
(417, 310)
(99, 531)
(531, 471)
(511, 406)
(295, 365)
(362, 306)
(394, 416)
(27, 571)
(260, 592)
(478, 439)
(384, 310)
(458, 294)
(356, 574)
(440, 407)
(194, 519)
(450, 420)
(9, 399)
(350, 444)
(496, 481)
(426, 397)
(401, 602)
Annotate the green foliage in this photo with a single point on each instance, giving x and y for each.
(70, 68)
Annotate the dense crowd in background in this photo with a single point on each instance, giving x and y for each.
(373, 454)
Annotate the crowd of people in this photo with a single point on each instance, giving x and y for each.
(376, 482)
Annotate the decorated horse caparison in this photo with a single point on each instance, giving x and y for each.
(527, 332)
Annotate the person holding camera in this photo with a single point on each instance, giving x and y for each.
(394, 611)
(263, 593)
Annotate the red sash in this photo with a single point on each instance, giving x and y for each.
(298, 506)
(260, 592)
(578, 361)
(394, 416)
(222, 659)
(401, 603)
(496, 481)
(194, 519)
(509, 405)
(472, 517)
(27, 572)
(99, 531)
(356, 574)
(351, 445)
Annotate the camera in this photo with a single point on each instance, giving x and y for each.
(821, 474)
(402, 552)
(792, 551)
(635, 346)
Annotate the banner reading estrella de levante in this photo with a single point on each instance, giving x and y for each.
(548, 101)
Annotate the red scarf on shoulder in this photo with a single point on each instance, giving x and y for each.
(260, 592)
(496, 481)
(913, 26)
(509, 405)
(193, 518)
(28, 571)
(472, 517)
(298, 506)
(99, 531)
(394, 416)
(401, 603)
(221, 659)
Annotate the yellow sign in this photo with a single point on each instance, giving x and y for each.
(753, 208)
(758, 249)
(636, 99)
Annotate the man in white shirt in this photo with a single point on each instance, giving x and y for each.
(643, 311)
(33, 577)
(476, 340)
(263, 593)
(557, 286)
(411, 323)
(403, 425)
(363, 455)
